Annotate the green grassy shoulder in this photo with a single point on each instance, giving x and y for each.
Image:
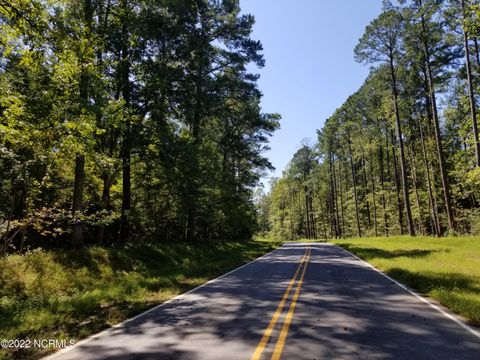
(72, 294)
(445, 269)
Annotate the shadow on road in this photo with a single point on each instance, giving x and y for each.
(345, 311)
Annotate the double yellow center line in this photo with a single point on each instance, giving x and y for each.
(277, 352)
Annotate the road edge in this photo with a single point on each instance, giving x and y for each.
(126, 321)
(447, 314)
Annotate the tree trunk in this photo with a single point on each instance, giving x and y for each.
(126, 145)
(365, 182)
(375, 226)
(300, 213)
(333, 218)
(438, 135)
(415, 188)
(403, 168)
(337, 218)
(342, 218)
(324, 221)
(357, 216)
(432, 198)
(77, 206)
(307, 213)
(471, 96)
(312, 217)
(107, 183)
(345, 191)
(477, 52)
(382, 182)
(397, 185)
(79, 179)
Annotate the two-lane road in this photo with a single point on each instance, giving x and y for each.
(302, 301)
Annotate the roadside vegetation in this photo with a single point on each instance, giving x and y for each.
(445, 269)
(71, 294)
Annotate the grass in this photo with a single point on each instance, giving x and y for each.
(72, 294)
(445, 269)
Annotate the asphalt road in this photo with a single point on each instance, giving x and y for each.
(299, 302)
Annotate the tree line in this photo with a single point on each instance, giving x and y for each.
(402, 154)
(128, 120)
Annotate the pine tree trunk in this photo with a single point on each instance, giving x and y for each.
(477, 51)
(375, 225)
(438, 135)
(312, 217)
(403, 168)
(307, 213)
(397, 186)
(382, 182)
(324, 221)
(332, 196)
(300, 213)
(292, 219)
(471, 96)
(126, 145)
(417, 197)
(342, 218)
(335, 186)
(365, 182)
(346, 192)
(432, 199)
(357, 215)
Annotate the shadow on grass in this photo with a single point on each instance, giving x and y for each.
(166, 261)
(370, 253)
(456, 291)
(428, 281)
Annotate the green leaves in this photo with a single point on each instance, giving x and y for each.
(382, 39)
(98, 90)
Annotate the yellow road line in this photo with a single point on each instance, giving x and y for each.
(268, 331)
(277, 352)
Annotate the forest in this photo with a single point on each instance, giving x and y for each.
(402, 154)
(128, 121)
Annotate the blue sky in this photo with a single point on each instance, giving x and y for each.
(310, 70)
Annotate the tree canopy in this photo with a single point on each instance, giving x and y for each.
(128, 120)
